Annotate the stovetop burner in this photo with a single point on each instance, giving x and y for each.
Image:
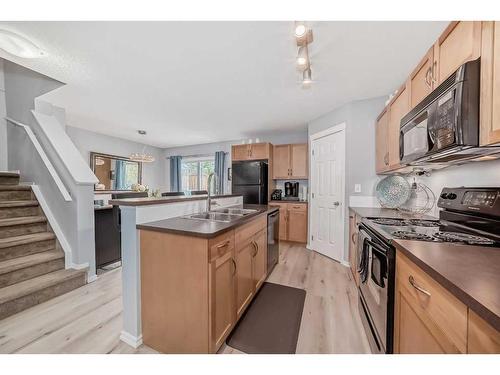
(406, 235)
(390, 222)
(406, 222)
(463, 237)
(424, 223)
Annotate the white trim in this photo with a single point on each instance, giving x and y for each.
(79, 266)
(56, 228)
(312, 137)
(131, 340)
(345, 263)
(38, 147)
(91, 279)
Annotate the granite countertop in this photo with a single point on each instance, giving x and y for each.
(203, 228)
(386, 213)
(470, 273)
(164, 200)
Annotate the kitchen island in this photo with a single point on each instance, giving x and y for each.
(136, 211)
(198, 276)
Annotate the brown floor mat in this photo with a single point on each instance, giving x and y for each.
(271, 323)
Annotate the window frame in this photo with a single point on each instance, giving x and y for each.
(198, 160)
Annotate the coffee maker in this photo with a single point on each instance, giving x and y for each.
(291, 191)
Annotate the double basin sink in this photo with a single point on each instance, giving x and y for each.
(225, 215)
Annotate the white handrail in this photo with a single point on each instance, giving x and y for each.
(48, 164)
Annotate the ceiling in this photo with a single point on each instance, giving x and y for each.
(200, 82)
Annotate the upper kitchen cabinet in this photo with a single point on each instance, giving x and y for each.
(490, 83)
(420, 81)
(398, 108)
(256, 151)
(381, 144)
(459, 43)
(290, 162)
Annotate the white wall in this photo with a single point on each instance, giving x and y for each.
(211, 148)
(153, 174)
(3, 125)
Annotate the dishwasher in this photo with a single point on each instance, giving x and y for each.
(273, 241)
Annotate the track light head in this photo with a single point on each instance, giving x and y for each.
(303, 57)
(300, 29)
(307, 77)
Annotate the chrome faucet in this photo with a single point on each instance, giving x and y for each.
(209, 183)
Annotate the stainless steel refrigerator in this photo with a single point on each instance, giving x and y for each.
(249, 179)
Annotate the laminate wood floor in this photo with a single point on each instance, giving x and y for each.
(88, 319)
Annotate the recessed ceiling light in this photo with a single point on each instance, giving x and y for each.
(300, 29)
(302, 56)
(19, 46)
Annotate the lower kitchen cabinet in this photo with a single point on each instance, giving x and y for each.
(194, 290)
(293, 221)
(428, 319)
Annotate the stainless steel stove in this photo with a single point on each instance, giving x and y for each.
(468, 217)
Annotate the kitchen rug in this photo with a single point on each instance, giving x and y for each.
(271, 323)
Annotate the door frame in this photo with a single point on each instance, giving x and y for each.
(341, 127)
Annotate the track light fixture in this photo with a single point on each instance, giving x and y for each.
(303, 37)
(307, 77)
(303, 57)
(300, 29)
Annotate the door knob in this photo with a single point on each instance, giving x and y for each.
(336, 204)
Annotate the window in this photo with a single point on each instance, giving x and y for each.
(195, 172)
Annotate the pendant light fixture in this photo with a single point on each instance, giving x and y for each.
(142, 157)
(19, 46)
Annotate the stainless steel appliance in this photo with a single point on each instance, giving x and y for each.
(468, 216)
(291, 191)
(273, 241)
(444, 127)
(250, 180)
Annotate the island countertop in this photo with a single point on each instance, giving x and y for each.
(163, 200)
(203, 228)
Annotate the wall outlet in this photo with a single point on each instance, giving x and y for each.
(357, 188)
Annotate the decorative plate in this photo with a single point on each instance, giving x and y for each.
(393, 191)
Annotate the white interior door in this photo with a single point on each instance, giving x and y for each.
(327, 192)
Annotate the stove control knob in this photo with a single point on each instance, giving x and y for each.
(452, 196)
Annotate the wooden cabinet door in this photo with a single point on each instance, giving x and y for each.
(482, 337)
(259, 151)
(490, 84)
(260, 258)
(398, 108)
(459, 43)
(381, 152)
(244, 276)
(281, 162)
(420, 81)
(297, 224)
(223, 312)
(298, 161)
(240, 152)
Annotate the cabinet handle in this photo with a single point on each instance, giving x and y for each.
(413, 284)
(221, 246)
(434, 68)
(256, 247)
(428, 76)
(234, 266)
(353, 238)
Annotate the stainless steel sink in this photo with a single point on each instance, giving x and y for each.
(214, 216)
(235, 211)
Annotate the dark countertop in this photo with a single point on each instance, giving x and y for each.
(163, 200)
(470, 273)
(386, 212)
(103, 207)
(203, 228)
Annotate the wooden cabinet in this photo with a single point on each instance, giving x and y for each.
(420, 82)
(255, 151)
(194, 290)
(290, 162)
(398, 108)
(490, 84)
(353, 245)
(459, 43)
(428, 319)
(381, 144)
(293, 221)
(482, 337)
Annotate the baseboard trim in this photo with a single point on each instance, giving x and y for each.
(91, 279)
(79, 266)
(345, 264)
(131, 340)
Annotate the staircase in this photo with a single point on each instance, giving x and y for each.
(31, 262)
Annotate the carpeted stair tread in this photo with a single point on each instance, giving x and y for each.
(29, 260)
(15, 187)
(25, 239)
(13, 204)
(36, 284)
(22, 220)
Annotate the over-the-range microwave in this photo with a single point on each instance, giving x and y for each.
(444, 127)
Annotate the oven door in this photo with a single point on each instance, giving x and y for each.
(374, 287)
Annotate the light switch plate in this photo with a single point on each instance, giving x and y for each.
(357, 188)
